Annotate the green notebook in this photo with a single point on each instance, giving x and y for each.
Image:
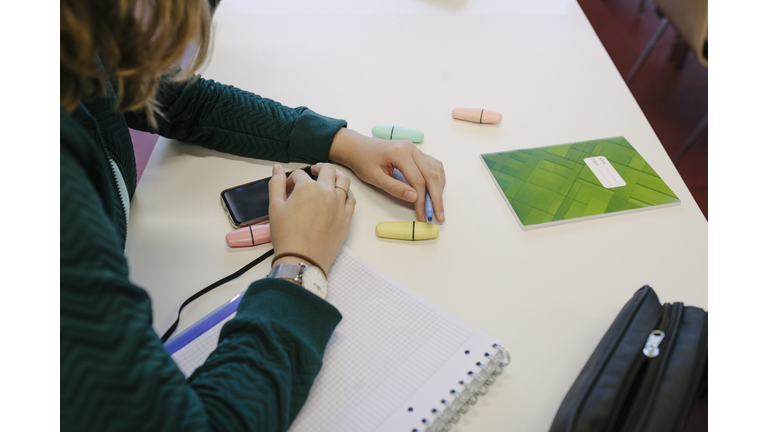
(568, 182)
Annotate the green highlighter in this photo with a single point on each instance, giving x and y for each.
(397, 133)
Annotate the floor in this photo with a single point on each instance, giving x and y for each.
(674, 101)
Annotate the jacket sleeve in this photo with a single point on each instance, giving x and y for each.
(115, 373)
(278, 336)
(231, 120)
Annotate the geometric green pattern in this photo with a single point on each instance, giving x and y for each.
(553, 184)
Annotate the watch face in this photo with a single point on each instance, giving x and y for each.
(313, 279)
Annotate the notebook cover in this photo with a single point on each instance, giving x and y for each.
(551, 185)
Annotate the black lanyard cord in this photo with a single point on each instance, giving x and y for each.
(210, 287)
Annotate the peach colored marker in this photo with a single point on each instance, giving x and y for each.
(476, 115)
(251, 235)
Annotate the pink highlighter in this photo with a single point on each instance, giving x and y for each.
(251, 235)
(476, 115)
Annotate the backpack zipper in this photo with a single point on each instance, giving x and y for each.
(637, 371)
(651, 349)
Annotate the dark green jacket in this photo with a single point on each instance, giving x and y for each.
(115, 373)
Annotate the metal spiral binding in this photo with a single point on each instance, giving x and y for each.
(476, 384)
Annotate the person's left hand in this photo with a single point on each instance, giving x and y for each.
(314, 220)
(373, 160)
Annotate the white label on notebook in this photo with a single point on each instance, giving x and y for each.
(605, 172)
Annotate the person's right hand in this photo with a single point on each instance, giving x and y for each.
(314, 220)
(374, 161)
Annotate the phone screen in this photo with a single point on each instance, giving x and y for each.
(248, 204)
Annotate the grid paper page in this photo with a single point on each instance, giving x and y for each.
(389, 344)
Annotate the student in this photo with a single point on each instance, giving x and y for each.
(115, 73)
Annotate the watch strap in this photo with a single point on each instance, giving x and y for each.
(301, 257)
(287, 271)
(297, 272)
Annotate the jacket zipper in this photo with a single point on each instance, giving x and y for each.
(110, 160)
(122, 189)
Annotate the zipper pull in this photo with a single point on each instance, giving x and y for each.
(651, 349)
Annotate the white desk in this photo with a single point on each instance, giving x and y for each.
(548, 294)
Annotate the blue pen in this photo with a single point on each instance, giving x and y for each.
(428, 205)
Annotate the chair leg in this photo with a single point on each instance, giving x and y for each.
(647, 51)
(679, 53)
(682, 55)
(691, 138)
(677, 44)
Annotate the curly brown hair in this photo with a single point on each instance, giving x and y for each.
(132, 43)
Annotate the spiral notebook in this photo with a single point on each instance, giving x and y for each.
(394, 363)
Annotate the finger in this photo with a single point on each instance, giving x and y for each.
(395, 185)
(342, 187)
(343, 180)
(316, 168)
(277, 186)
(414, 176)
(326, 173)
(296, 178)
(434, 175)
(349, 206)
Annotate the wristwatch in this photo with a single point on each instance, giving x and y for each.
(308, 276)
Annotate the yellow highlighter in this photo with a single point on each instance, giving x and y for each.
(405, 230)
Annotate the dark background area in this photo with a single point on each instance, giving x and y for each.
(674, 101)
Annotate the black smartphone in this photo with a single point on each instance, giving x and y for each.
(248, 204)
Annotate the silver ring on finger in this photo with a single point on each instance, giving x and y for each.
(349, 194)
